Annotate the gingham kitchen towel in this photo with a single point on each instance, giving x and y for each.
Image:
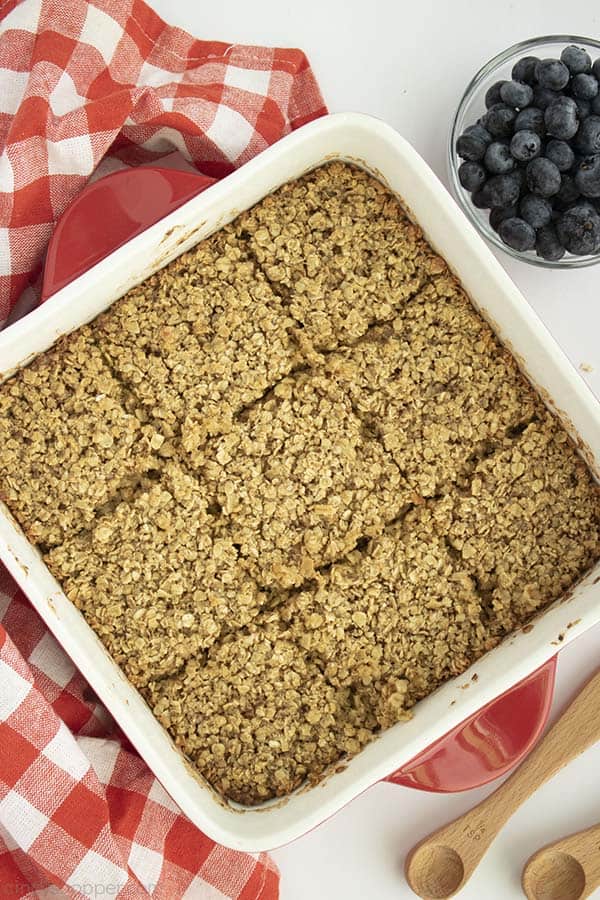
(80, 815)
(88, 87)
(82, 81)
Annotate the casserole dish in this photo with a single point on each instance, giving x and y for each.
(482, 735)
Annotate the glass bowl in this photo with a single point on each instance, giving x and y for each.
(472, 106)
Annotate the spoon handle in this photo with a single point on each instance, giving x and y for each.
(577, 729)
(465, 840)
(571, 862)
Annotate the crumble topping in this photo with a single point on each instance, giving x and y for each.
(67, 441)
(200, 340)
(159, 578)
(341, 249)
(257, 717)
(301, 480)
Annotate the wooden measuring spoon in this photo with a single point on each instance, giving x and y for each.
(569, 869)
(442, 864)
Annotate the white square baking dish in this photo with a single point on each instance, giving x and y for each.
(376, 147)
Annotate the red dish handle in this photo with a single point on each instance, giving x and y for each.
(111, 211)
(487, 744)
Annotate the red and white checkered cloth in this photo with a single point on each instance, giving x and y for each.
(88, 87)
(82, 81)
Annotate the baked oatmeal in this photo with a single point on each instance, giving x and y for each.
(294, 483)
(435, 385)
(67, 441)
(528, 524)
(340, 248)
(302, 480)
(257, 716)
(391, 611)
(200, 340)
(159, 578)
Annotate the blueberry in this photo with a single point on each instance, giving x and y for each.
(480, 132)
(479, 200)
(517, 94)
(498, 158)
(525, 145)
(584, 86)
(524, 69)
(584, 108)
(499, 120)
(492, 95)
(535, 210)
(548, 245)
(520, 176)
(561, 118)
(471, 175)
(542, 96)
(579, 231)
(531, 119)
(567, 193)
(587, 140)
(561, 154)
(543, 178)
(500, 213)
(595, 105)
(469, 146)
(587, 176)
(501, 190)
(586, 206)
(576, 59)
(517, 233)
(552, 74)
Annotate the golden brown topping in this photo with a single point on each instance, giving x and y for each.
(302, 481)
(158, 578)
(67, 441)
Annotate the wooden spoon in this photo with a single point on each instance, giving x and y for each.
(566, 870)
(442, 863)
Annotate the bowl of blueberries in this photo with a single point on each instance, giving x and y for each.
(524, 151)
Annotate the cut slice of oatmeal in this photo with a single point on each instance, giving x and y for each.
(396, 620)
(436, 386)
(529, 525)
(157, 579)
(339, 247)
(68, 443)
(302, 481)
(200, 339)
(257, 717)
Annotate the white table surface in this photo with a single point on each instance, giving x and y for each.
(408, 64)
